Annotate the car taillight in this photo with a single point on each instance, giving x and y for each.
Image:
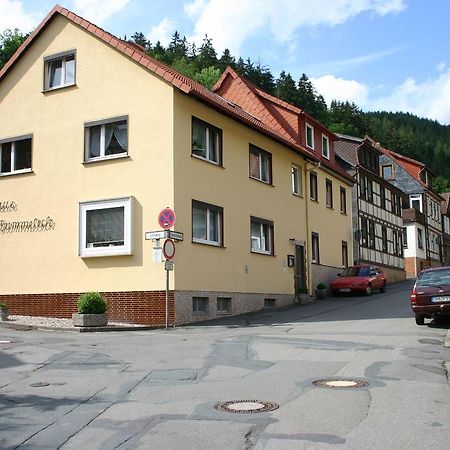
(413, 295)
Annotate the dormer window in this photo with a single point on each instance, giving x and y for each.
(309, 136)
(59, 70)
(388, 173)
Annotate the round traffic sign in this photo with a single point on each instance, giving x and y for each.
(169, 248)
(166, 218)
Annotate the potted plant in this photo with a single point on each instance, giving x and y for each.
(3, 312)
(303, 295)
(91, 311)
(321, 291)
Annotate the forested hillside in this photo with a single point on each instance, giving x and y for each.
(422, 139)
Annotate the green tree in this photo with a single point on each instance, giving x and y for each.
(141, 40)
(286, 89)
(207, 56)
(208, 76)
(10, 41)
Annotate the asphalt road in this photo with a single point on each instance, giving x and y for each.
(157, 389)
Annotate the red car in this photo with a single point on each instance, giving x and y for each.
(431, 294)
(363, 279)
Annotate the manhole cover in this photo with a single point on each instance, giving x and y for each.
(246, 406)
(5, 342)
(40, 384)
(340, 383)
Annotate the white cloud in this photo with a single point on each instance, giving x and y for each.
(231, 22)
(162, 32)
(193, 8)
(441, 66)
(428, 99)
(12, 15)
(333, 88)
(97, 11)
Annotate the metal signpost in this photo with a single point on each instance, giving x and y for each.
(166, 220)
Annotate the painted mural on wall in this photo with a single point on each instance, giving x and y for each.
(23, 226)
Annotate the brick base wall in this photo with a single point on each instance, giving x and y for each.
(142, 307)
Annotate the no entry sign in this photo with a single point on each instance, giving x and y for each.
(166, 218)
(169, 248)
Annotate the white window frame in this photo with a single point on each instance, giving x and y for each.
(210, 211)
(296, 180)
(217, 142)
(325, 154)
(308, 126)
(127, 248)
(13, 154)
(329, 201)
(264, 158)
(268, 246)
(59, 57)
(315, 248)
(102, 124)
(413, 197)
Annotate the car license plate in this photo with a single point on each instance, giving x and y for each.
(440, 299)
(345, 290)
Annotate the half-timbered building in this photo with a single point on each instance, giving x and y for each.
(421, 213)
(376, 208)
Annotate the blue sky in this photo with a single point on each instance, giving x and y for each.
(382, 54)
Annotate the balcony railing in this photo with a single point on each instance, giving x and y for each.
(413, 215)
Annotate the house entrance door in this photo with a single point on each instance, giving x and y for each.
(300, 269)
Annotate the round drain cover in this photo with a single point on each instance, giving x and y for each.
(246, 406)
(40, 384)
(340, 383)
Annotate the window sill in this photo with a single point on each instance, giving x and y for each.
(329, 207)
(343, 213)
(57, 88)
(105, 158)
(220, 313)
(16, 172)
(315, 200)
(99, 254)
(255, 252)
(208, 243)
(267, 183)
(209, 161)
(297, 195)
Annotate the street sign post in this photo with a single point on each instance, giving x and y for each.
(166, 220)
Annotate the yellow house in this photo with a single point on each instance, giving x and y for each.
(96, 138)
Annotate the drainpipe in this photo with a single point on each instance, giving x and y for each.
(308, 199)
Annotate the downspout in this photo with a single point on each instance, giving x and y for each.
(308, 199)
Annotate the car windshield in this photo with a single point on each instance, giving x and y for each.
(434, 278)
(356, 272)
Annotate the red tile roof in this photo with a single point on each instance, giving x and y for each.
(286, 119)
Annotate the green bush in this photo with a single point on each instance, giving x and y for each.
(91, 303)
(303, 290)
(3, 306)
(321, 286)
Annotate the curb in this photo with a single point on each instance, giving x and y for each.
(107, 328)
